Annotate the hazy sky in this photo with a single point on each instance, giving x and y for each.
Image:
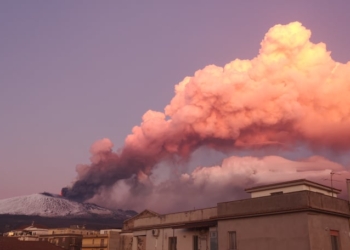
(73, 72)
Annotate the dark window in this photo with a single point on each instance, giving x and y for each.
(232, 241)
(335, 239)
(213, 240)
(277, 193)
(172, 243)
(195, 242)
(102, 242)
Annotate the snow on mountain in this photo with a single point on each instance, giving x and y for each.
(50, 205)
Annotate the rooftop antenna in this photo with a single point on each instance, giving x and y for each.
(332, 173)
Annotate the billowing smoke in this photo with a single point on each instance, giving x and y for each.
(291, 93)
(205, 186)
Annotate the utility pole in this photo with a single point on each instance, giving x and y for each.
(332, 189)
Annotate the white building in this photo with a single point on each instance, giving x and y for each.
(292, 186)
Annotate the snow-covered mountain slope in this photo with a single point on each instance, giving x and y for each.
(50, 205)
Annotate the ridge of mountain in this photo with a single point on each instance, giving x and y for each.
(52, 205)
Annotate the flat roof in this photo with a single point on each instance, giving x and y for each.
(292, 183)
(200, 224)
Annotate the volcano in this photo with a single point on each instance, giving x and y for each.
(52, 205)
(55, 211)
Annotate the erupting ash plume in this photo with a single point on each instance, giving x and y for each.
(292, 92)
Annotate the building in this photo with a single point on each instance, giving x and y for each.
(13, 243)
(31, 231)
(299, 214)
(171, 231)
(292, 186)
(67, 238)
(107, 239)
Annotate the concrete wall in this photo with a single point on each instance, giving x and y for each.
(113, 240)
(283, 203)
(184, 239)
(319, 231)
(256, 229)
(28, 238)
(291, 189)
(109, 240)
(66, 241)
(126, 241)
(275, 232)
(328, 203)
(94, 243)
(195, 215)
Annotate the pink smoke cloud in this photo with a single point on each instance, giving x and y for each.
(291, 92)
(244, 170)
(205, 186)
(99, 148)
(284, 94)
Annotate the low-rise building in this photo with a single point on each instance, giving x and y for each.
(300, 214)
(107, 239)
(67, 238)
(28, 231)
(172, 231)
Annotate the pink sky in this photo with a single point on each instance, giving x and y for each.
(73, 73)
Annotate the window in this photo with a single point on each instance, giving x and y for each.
(172, 243)
(334, 239)
(213, 240)
(102, 242)
(277, 193)
(232, 241)
(195, 242)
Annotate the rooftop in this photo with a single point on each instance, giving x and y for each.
(293, 183)
(9, 243)
(286, 203)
